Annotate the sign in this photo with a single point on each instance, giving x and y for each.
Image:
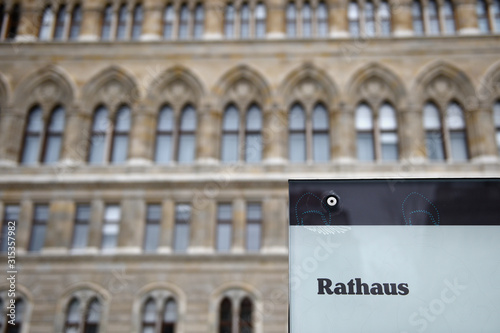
(404, 256)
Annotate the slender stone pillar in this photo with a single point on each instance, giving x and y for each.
(91, 21)
(344, 134)
(76, 137)
(59, 227)
(411, 135)
(167, 226)
(202, 229)
(481, 135)
(23, 229)
(214, 19)
(337, 16)
(274, 135)
(274, 225)
(142, 137)
(131, 236)
(466, 17)
(11, 134)
(207, 140)
(239, 226)
(401, 18)
(152, 26)
(276, 19)
(29, 25)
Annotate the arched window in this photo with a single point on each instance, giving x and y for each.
(245, 21)
(253, 138)
(291, 20)
(46, 26)
(225, 316)
(455, 122)
(92, 317)
(322, 19)
(433, 133)
(384, 14)
(496, 14)
(306, 20)
(260, 20)
(13, 24)
(164, 135)
(353, 16)
(72, 324)
(121, 30)
(60, 19)
(432, 9)
(168, 21)
(121, 130)
(449, 17)
(32, 136)
(149, 317)
(482, 16)
(496, 117)
(364, 128)
(417, 18)
(369, 19)
(137, 22)
(184, 22)
(230, 135)
(187, 136)
(76, 22)
(199, 21)
(99, 138)
(169, 316)
(54, 135)
(297, 134)
(107, 18)
(245, 316)
(320, 135)
(388, 126)
(229, 21)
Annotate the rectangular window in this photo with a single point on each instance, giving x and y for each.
(10, 214)
(110, 227)
(152, 233)
(181, 232)
(224, 227)
(434, 144)
(458, 145)
(81, 229)
(365, 146)
(389, 146)
(254, 227)
(39, 227)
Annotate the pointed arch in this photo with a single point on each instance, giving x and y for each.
(48, 87)
(376, 84)
(489, 85)
(112, 86)
(441, 82)
(5, 93)
(309, 85)
(176, 86)
(243, 86)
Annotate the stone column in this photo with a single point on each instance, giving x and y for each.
(214, 19)
(11, 134)
(23, 229)
(133, 216)
(60, 227)
(142, 136)
(76, 137)
(274, 135)
(274, 225)
(411, 135)
(466, 17)
(276, 25)
(239, 226)
(92, 14)
(167, 226)
(481, 135)
(207, 142)
(337, 17)
(29, 25)
(202, 228)
(95, 224)
(402, 18)
(152, 25)
(343, 146)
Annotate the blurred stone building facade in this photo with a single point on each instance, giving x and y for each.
(146, 146)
